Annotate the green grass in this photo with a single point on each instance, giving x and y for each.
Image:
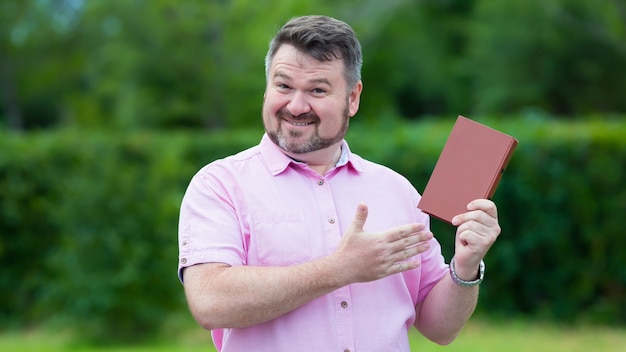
(479, 336)
(526, 336)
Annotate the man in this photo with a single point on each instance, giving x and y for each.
(299, 244)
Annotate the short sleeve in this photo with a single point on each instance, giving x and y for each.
(433, 266)
(208, 229)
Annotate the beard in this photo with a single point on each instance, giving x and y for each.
(286, 139)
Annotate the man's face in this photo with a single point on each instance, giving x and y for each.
(307, 104)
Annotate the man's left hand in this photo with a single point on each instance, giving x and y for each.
(477, 230)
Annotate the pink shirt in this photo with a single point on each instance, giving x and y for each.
(262, 208)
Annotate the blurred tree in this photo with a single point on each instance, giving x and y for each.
(564, 57)
(124, 64)
(145, 65)
(414, 59)
(36, 61)
(9, 10)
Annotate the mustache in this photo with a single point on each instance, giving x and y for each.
(308, 116)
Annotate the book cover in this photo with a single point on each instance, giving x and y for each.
(469, 167)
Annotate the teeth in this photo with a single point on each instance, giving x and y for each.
(300, 124)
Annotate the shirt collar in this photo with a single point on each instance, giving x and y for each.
(278, 161)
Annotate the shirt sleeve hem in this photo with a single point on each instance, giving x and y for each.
(187, 261)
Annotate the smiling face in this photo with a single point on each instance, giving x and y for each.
(307, 104)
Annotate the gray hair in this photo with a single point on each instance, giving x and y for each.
(324, 39)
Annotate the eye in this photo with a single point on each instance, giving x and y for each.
(282, 86)
(318, 91)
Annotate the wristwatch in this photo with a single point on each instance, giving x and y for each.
(463, 283)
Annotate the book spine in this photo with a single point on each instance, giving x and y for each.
(503, 164)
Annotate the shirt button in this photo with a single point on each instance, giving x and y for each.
(331, 220)
(320, 182)
(344, 304)
(183, 261)
(346, 350)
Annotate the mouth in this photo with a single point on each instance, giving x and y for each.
(299, 123)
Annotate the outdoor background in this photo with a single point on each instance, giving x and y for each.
(108, 108)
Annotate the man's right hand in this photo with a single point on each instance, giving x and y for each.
(366, 256)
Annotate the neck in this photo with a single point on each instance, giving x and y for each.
(322, 160)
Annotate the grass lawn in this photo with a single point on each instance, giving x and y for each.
(518, 336)
(479, 336)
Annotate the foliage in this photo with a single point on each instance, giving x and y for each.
(88, 220)
(548, 55)
(563, 201)
(88, 224)
(199, 64)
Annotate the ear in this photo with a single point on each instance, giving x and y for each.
(355, 98)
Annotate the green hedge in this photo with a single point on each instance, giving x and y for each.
(89, 220)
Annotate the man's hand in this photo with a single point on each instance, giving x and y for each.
(366, 256)
(477, 230)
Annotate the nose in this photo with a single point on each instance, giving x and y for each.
(298, 104)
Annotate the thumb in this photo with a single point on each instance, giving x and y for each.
(360, 217)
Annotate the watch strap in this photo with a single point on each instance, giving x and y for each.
(464, 283)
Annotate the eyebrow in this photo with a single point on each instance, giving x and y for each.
(314, 81)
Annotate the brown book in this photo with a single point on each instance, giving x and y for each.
(469, 167)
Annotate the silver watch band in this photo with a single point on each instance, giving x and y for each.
(463, 283)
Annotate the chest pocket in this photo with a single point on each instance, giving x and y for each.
(280, 237)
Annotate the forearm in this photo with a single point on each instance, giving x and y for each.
(228, 297)
(448, 306)
(445, 310)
